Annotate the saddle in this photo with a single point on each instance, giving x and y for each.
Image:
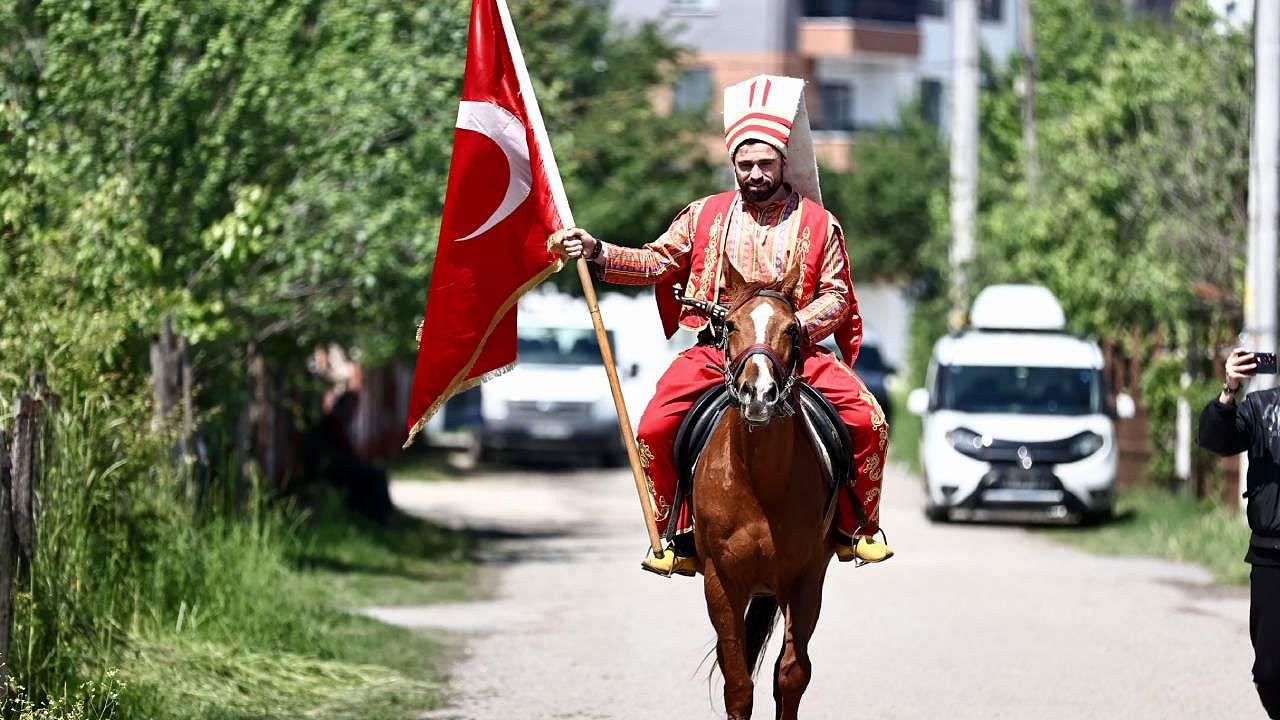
(827, 431)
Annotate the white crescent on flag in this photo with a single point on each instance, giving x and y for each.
(506, 130)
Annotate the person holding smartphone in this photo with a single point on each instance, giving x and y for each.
(1228, 428)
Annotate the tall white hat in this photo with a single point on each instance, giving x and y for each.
(770, 108)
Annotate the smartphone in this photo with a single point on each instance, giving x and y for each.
(1266, 363)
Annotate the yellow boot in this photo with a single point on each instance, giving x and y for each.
(867, 550)
(668, 563)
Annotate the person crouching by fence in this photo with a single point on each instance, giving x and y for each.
(329, 455)
(1228, 428)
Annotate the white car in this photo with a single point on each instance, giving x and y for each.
(1016, 421)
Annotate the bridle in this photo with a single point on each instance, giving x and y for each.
(782, 405)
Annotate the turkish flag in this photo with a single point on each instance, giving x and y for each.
(503, 201)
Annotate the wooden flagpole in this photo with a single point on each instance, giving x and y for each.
(624, 420)
(566, 218)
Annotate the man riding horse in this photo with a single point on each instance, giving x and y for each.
(773, 220)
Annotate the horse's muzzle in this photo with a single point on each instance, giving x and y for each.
(758, 405)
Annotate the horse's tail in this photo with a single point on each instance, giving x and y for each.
(762, 618)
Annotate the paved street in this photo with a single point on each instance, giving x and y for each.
(973, 622)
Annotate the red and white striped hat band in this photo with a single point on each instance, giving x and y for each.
(770, 108)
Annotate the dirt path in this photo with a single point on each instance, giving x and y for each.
(966, 623)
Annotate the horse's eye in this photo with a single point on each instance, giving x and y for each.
(793, 330)
(730, 326)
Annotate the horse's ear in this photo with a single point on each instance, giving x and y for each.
(793, 279)
(733, 280)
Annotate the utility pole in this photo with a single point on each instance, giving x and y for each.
(1260, 278)
(1027, 39)
(1260, 274)
(964, 151)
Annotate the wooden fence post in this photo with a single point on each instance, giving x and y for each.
(46, 407)
(25, 449)
(188, 412)
(165, 374)
(8, 561)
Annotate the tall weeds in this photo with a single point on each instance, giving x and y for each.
(121, 559)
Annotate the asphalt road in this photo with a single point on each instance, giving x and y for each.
(976, 622)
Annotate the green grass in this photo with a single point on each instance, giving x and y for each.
(1156, 523)
(423, 465)
(139, 607)
(356, 564)
(904, 440)
(297, 651)
(185, 677)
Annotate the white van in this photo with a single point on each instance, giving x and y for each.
(557, 402)
(1016, 419)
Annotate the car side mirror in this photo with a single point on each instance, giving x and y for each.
(918, 402)
(1125, 407)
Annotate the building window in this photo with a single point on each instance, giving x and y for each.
(828, 8)
(693, 89)
(894, 11)
(837, 106)
(931, 101)
(988, 10)
(693, 7)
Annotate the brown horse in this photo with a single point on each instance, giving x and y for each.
(761, 505)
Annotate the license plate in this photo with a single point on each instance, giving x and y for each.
(1015, 495)
(1022, 481)
(550, 431)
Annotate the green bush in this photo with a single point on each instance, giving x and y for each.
(1161, 387)
(118, 555)
(137, 607)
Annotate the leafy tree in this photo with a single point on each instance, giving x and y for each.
(272, 174)
(883, 202)
(628, 168)
(1141, 207)
(1143, 133)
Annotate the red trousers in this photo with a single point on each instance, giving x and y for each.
(689, 377)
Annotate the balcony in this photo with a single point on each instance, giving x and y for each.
(839, 28)
(842, 37)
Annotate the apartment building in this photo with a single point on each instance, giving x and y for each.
(864, 59)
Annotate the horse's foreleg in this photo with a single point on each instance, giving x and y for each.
(726, 610)
(791, 674)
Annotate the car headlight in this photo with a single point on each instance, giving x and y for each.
(1086, 444)
(967, 441)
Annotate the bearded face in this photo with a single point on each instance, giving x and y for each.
(759, 168)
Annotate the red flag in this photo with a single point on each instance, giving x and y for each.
(504, 199)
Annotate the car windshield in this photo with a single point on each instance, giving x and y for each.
(869, 360)
(1020, 390)
(559, 346)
